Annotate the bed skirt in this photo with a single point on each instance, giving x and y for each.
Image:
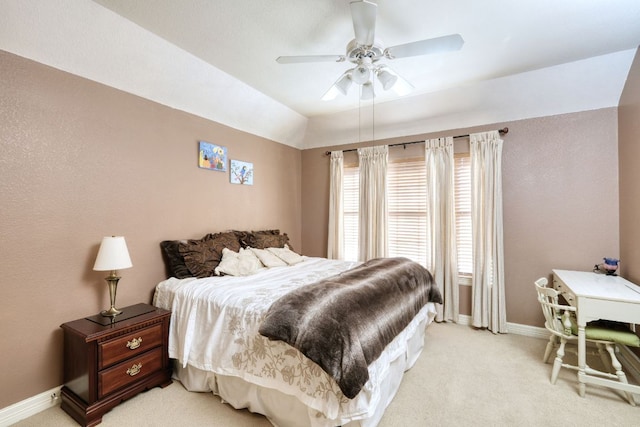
(284, 410)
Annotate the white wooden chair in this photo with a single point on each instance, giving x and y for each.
(560, 321)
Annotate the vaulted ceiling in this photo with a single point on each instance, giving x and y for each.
(217, 59)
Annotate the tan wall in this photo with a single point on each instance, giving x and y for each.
(80, 161)
(560, 195)
(629, 146)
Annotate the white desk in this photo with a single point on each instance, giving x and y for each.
(598, 296)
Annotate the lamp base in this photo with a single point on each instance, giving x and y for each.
(112, 281)
(112, 312)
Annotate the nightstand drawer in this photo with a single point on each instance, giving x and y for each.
(129, 371)
(119, 349)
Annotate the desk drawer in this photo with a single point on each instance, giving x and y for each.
(129, 371)
(119, 349)
(559, 286)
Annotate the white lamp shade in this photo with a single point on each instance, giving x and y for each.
(341, 86)
(112, 255)
(343, 83)
(361, 74)
(387, 78)
(367, 91)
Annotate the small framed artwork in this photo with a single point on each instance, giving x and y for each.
(241, 172)
(212, 156)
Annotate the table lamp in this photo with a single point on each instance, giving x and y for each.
(112, 255)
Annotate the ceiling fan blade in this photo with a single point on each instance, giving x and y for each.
(425, 47)
(402, 86)
(309, 58)
(363, 14)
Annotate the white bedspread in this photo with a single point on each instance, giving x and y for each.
(214, 327)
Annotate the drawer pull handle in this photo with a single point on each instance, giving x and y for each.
(134, 370)
(134, 343)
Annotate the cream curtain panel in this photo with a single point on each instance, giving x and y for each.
(335, 243)
(372, 219)
(441, 224)
(488, 302)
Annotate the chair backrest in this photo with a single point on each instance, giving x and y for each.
(556, 315)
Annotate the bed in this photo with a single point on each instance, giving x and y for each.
(216, 342)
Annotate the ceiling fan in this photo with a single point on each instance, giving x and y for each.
(365, 51)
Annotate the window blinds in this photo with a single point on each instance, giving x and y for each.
(462, 172)
(407, 204)
(351, 183)
(407, 209)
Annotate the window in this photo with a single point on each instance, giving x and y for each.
(407, 211)
(351, 183)
(462, 172)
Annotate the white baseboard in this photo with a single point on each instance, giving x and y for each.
(30, 406)
(528, 331)
(514, 328)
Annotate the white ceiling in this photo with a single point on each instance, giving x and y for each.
(520, 59)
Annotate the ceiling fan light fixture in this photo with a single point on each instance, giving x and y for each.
(340, 87)
(360, 74)
(344, 83)
(386, 77)
(367, 91)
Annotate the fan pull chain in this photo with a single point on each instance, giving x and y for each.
(359, 117)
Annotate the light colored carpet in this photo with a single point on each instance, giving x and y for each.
(464, 377)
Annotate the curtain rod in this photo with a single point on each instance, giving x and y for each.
(399, 144)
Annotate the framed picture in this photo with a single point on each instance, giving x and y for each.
(241, 172)
(212, 156)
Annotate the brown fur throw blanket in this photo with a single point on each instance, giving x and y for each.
(344, 322)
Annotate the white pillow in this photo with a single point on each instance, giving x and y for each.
(243, 263)
(267, 258)
(287, 255)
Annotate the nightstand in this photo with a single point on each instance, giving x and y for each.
(106, 362)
